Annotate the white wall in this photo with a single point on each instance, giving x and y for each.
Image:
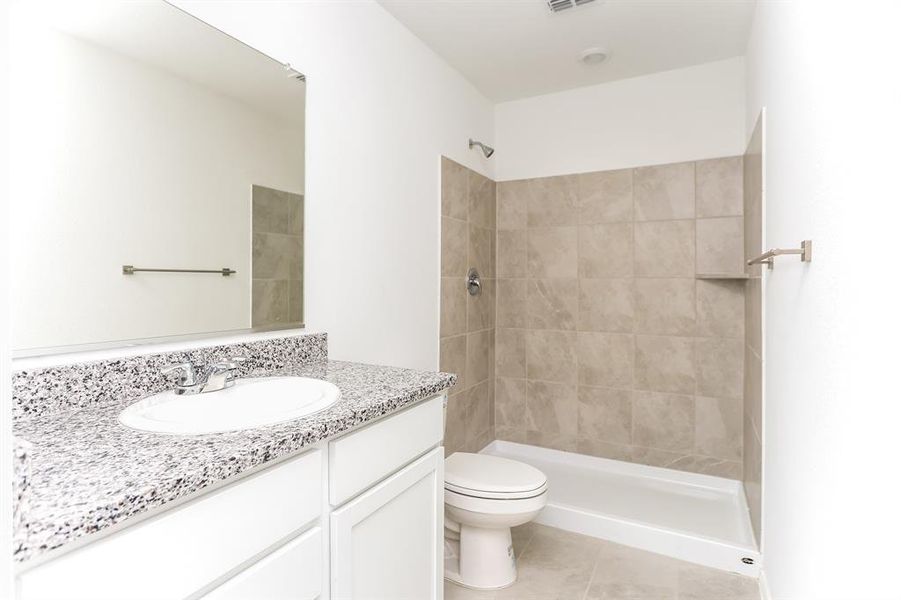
(381, 109)
(685, 114)
(6, 576)
(832, 493)
(118, 162)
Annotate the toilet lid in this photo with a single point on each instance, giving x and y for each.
(492, 474)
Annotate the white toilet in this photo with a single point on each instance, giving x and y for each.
(484, 496)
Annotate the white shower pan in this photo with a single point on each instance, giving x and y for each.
(696, 518)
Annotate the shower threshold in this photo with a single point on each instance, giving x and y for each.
(695, 518)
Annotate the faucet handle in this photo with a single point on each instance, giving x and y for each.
(229, 364)
(187, 374)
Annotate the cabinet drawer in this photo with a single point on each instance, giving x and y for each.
(293, 572)
(179, 552)
(359, 459)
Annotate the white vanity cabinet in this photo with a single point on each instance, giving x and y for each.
(387, 543)
(358, 517)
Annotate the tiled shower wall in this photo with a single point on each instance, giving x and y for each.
(467, 322)
(753, 388)
(609, 342)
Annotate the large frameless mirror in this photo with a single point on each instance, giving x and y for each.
(158, 178)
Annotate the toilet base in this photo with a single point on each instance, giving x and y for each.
(484, 558)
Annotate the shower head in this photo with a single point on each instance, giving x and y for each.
(487, 150)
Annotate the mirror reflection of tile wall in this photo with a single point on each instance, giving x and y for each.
(277, 286)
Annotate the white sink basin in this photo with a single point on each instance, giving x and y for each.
(247, 404)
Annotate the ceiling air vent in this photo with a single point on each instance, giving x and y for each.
(561, 5)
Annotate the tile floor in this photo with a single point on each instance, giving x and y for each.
(558, 565)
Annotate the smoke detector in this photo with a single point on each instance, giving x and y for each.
(560, 5)
(594, 56)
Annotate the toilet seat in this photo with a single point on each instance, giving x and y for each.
(492, 477)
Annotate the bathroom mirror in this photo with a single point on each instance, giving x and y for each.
(157, 178)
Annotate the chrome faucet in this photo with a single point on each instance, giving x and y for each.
(215, 377)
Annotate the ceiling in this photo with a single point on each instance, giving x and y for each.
(513, 49)
(160, 35)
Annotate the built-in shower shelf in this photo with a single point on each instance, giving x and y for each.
(740, 276)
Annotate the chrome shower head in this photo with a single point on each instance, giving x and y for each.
(486, 150)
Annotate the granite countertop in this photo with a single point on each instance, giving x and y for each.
(87, 472)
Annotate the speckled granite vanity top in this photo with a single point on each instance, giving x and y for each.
(87, 472)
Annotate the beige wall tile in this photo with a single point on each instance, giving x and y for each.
(455, 424)
(552, 252)
(606, 305)
(694, 463)
(479, 255)
(719, 367)
(512, 204)
(276, 211)
(553, 303)
(718, 187)
(478, 356)
(664, 192)
(752, 395)
(553, 201)
(510, 404)
(664, 364)
(551, 408)
(270, 301)
(454, 247)
(511, 303)
(721, 308)
(753, 315)
(752, 453)
(481, 407)
(482, 200)
(605, 250)
(719, 245)
(468, 207)
(605, 414)
(454, 190)
(295, 300)
(664, 421)
(512, 255)
(602, 449)
(551, 356)
(665, 249)
(510, 346)
(480, 309)
(548, 439)
(605, 359)
(665, 306)
(278, 256)
(476, 444)
(718, 428)
(452, 359)
(605, 197)
(453, 306)
(591, 302)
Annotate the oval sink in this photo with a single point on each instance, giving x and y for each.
(247, 404)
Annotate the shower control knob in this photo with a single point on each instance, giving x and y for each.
(473, 282)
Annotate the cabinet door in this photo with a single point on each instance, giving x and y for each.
(293, 572)
(388, 542)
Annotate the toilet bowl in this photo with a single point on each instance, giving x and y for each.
(484, 496)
